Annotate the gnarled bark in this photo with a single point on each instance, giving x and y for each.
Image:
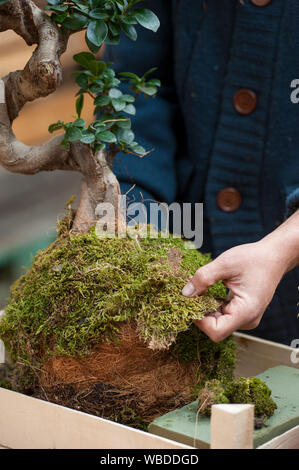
(40, 77)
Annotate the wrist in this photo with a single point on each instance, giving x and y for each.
(283, 243)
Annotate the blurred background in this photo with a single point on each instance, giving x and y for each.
(31, 205)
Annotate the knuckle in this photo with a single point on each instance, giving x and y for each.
(201, 277)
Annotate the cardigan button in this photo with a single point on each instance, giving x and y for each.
(229, 199)
(261, 3)
(245, 101)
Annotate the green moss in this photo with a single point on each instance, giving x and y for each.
(5, 384)
(242, 390)
(81, 288)
(217, 359)
(252, 390)
(213, 392)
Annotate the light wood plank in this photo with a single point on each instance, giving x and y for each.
(255, 355)
(287, 440)
(29, 423)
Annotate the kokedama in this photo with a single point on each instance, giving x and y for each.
(99, 323)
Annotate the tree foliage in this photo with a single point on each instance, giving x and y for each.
(104, 21)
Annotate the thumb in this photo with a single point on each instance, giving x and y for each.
(204, 278)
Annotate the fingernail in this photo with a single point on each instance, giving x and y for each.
(188, 290)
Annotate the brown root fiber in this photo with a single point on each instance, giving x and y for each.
(115, 379)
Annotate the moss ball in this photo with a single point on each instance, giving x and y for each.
(241, 390)
(81, 288)
(253, 391)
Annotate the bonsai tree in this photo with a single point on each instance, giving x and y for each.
(99, 323)
(87, 149)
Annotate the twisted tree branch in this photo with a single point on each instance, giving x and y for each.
(40, 77)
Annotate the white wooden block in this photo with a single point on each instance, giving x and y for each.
(2, 348)
(232, 426)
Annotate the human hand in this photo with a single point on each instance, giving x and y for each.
(251, 272)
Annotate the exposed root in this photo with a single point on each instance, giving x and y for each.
(117, 378)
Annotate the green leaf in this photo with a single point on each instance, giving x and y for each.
(126, 135)
(59, 17)
(87, 137)
(97, 67)
(130, 75)
(153, 69)
(75, 22)
(79, 122)
(124, 124)
(81, 8)
(129, 98)
(82, 81)
(120, 6)
(154, 82)
(103, 126)
(96, 89)
(106, 136)
(98, 13)
(148, 90)
(73, 133)
(136, 148)
(109, 74)
(88, 61)
(114, 29)
(130, 109)
(129, 18)
(115, 93)
(97, 32)
(147, 19)
(118, 104)
(79, 104)
(54, 127)
(99, 147)
(84, 58)
(130, 31)
(102, 100)
(104, 117)
(91, 46)
(97, 3)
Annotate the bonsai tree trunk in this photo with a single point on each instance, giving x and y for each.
(40, 77)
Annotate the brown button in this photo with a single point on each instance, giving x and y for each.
(245, 101)
(261, 3)
(229, 199)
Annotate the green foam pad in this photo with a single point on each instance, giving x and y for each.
(182, 425)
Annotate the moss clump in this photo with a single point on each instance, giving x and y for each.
(253, 391)
(242, 390)
(212, 393)
(82, 288)
(217, 360)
